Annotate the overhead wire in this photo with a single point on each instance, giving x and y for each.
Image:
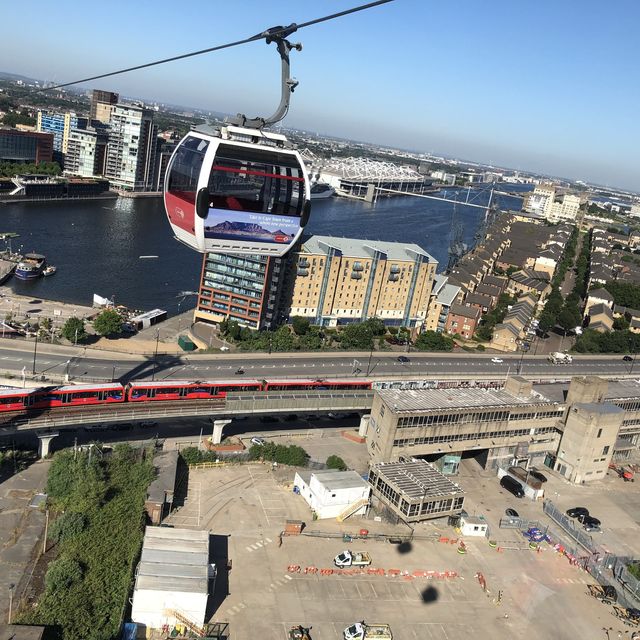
(275, 32)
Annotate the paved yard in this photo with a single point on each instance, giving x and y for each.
(21, 529)
(530, 594)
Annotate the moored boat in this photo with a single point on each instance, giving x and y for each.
(50, 270)
(321, 190)
(31, 266)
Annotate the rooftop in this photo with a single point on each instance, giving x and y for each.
(332, 480)
(439, 399)
(417, 479)
(356, 248)
(174, 560)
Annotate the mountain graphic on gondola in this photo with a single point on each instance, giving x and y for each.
(246, 230)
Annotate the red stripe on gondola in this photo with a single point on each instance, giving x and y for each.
(217, 167)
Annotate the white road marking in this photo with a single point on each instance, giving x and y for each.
(288, 578)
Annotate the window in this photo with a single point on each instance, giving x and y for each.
(605, 451)
(599, 433)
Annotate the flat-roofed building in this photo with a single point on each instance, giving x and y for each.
(344, 280)
(503, 423)
(173, 579)
(415, 490)
(333, 494)
(243, 288)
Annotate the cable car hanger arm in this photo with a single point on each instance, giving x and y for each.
(288, 84)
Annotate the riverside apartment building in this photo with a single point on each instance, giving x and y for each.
(338, 281)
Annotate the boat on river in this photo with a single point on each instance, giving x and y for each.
(31, 266)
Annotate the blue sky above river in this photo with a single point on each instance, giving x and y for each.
(545, 86)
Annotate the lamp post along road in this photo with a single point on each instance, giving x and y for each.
(155, 357)
(35, 351)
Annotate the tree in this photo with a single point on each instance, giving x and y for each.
(358, 337)
(433, 341)
(108, 323)
(73, 330)
(620, 324)
(546, 321)
(282, 340)
(376, 326)
(336, 462)
(567, 319)
(300, 325)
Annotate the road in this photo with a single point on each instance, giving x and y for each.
(54, 363)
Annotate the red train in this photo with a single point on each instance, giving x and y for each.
(113, 392)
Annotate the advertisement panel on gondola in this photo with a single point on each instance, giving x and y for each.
(221, 224)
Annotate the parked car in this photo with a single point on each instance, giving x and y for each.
(337, 416)
(513, 486)
(627, 358)
(577, 511)
(258, 441)
(497, 360)
(290, 417)
(534, 473)
(592, 528)
(588, 520)
(512, 513)
(267, 419)
(403, 359)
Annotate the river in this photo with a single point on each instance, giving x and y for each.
(97, 244)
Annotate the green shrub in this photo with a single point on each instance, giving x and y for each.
(336, 462)
(67, 526)
(62, 573)
(292, 455)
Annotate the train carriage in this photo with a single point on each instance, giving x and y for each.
(315, 385)
(188, 390)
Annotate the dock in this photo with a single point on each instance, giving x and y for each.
(6, 269)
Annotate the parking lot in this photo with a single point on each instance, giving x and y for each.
(534, 593)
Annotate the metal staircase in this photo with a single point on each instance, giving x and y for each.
(186, 621)
(352, 508)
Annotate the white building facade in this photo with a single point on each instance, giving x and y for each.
(333, 494)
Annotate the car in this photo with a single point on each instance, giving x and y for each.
(627, 358)
(512, 485)
(592, 528)
(337, 416)
(122, 426)
(534, 473)
(577, 511)
(512, 513)
(497, 360)
(290, 417)
(148, 424)
(239, 371)
(258, 441)
(267, 419)
(403, 359)
(589, 520)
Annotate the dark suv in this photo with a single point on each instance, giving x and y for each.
(513, 486)
(577, 511)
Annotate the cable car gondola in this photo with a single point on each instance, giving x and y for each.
(240, 189)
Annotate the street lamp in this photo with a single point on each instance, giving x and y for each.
(35, 351)
(66, 373)
(155, 356)
(11, 588)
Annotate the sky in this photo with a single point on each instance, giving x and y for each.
(549, 86)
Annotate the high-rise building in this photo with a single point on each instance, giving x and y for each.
(131, 150)
(60, 125)
(25, 146)
(86, 151)
(247, 289)
(343, 280)
(102, 103)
